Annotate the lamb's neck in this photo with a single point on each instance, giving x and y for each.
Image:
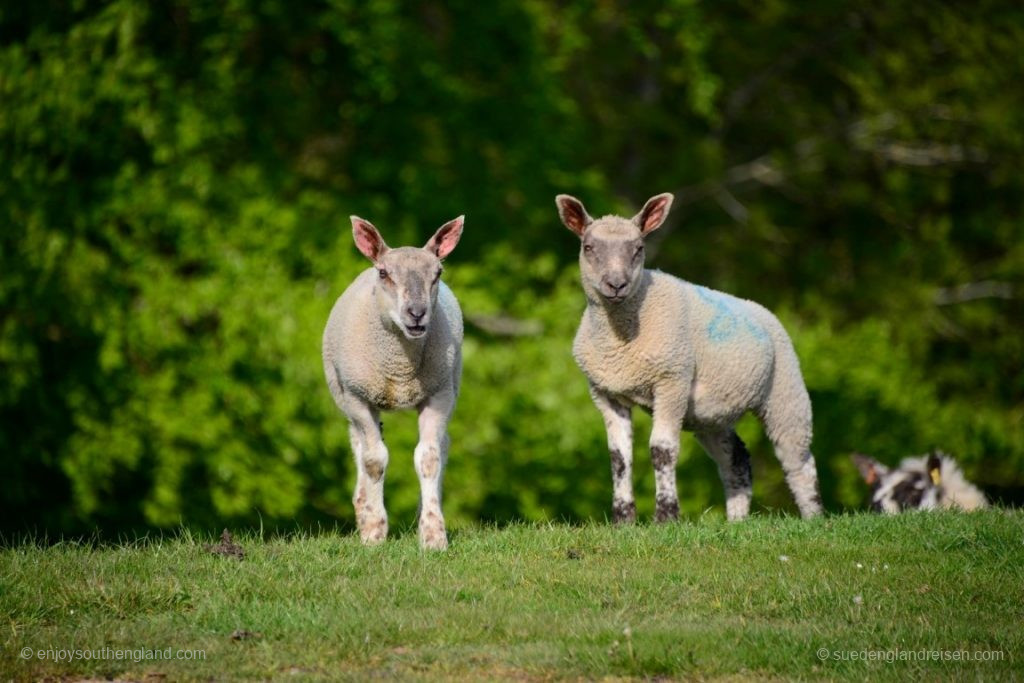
(621, 319)
(402, 356)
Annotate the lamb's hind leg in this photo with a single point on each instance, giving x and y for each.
(733, 460)
(801, 475)
(788, 425)
(430, 457)
(371, 457)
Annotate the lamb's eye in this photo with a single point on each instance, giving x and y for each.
(639, 250)
(383, 274)
(438, 276)
(588, 248)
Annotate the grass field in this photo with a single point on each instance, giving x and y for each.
(701, 599)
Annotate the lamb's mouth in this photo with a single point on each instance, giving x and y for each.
(614, 298)
(415, 330)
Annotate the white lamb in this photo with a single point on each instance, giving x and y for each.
(695, 358)
(394, 341)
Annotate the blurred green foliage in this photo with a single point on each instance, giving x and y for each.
(175, 179)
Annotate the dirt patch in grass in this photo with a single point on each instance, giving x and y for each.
(244, 634)
(226, 548)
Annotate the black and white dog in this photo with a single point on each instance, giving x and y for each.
(927, 482)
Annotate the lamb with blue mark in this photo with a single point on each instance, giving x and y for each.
(697, 359)
(728, 318)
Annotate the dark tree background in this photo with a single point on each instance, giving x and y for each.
(175, 181)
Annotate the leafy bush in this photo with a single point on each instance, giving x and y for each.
(175, 177)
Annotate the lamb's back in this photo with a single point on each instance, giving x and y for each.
(734, 342)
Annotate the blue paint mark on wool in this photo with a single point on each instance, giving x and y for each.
(726, 319)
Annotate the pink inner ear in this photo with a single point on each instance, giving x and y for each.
(654, 216)
(447, 244)
(575, 219)
(447, 237)
(367, 240)
(573, 215)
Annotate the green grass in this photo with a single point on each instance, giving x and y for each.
(690, 600)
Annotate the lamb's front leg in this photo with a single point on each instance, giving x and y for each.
(669, 411)
(371, 457)
(430, 458)
(619, 424)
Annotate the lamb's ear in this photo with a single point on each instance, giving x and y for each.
(446, 237)
(654, 213)
(368, 240)
(573, 213)
(935, 468)
(870, 469)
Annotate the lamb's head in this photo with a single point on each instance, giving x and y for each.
(919, 483)
(405, 289)
(915, 485)
(612, 248)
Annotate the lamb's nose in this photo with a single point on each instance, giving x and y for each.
(616, 285)
(416, 312)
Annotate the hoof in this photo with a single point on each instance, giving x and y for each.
(737, 509)
(666, 511)
(435, 540)
(374, 533)
(623, 512)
